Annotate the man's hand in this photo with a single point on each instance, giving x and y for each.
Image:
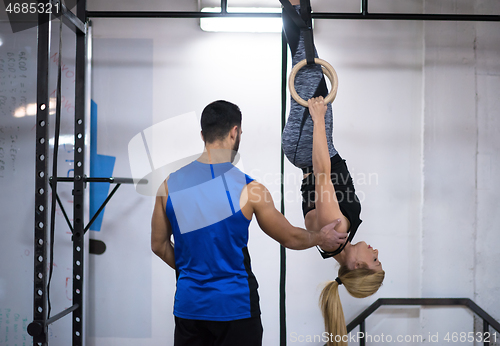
(330, 239)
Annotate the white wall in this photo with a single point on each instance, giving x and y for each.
(190, 69)
(458, 161)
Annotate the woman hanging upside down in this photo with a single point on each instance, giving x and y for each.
(327, 188)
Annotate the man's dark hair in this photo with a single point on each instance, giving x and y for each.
(218, 118)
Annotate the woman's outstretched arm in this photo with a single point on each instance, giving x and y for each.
(320, 154)
(327, 205)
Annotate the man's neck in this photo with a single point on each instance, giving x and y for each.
(216, 153)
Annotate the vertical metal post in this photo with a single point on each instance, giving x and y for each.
(283, 335)
(223, 6)
(39, 328)
(486, 332)
(362, 329)
(79, 184)
(364, 7)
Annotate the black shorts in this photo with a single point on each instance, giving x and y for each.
(346, 195)
(244, 332)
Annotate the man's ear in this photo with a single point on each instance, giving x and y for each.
(202, 138)
(234, 132)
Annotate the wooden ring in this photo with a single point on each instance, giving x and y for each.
(327, 69)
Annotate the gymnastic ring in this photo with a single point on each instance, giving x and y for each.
(327, 69)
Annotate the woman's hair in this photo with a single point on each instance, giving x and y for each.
(360, 283)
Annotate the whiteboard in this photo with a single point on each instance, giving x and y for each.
(18, 70)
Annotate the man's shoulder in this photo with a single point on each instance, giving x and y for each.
(180, 177)
(188, 166)
(256, 191)
(163, 188)
(191, 168)
(248, 178)
(255, 184)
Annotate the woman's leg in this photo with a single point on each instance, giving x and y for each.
(297, 137)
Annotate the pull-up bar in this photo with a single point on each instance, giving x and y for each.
(363, 15)
(315, 15)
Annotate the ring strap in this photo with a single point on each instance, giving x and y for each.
(305, 11)
(305, 25)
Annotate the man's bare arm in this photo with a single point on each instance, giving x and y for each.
(274, 224)
(161, 230)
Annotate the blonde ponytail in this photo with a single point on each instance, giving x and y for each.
(333, 315)
(360, 283)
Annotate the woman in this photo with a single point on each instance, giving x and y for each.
(327, 189)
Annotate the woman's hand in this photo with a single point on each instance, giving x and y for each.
(317, 109)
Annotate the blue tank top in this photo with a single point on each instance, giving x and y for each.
(214, 277)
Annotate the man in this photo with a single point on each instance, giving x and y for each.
(207, 206)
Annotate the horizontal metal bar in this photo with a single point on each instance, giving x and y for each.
(424, 302)
(128, 181)
(410, 16)
(62, 314)
(173, 14)
(111, 180)
(315, 15)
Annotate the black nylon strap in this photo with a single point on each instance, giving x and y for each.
(304, 22)
(282, 290)
(54, 167)
(293, 14)
(305, 11)
(309, 46)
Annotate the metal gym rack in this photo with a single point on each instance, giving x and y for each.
(488, 321)
(79, 24)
